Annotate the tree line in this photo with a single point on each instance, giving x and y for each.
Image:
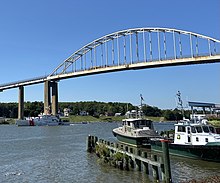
(93, 108)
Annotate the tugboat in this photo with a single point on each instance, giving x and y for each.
(136, 131)
(193, 138)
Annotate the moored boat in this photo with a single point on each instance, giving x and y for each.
(193, 140)
(42, 120)
(135, 130)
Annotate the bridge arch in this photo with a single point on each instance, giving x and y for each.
(138, 45)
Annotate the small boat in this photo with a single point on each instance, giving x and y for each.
(41, 120)
(197, 140)
(135, 130)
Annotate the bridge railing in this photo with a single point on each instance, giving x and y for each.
(22, 81)
(134, 62)
(138, 45)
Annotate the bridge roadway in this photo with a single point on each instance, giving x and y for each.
(26, 82)
(99, 70)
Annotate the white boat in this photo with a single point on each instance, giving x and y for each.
(197, 140)
(42, 120)
(135, 130)
(193, 138)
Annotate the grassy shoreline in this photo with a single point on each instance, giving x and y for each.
(76, 118)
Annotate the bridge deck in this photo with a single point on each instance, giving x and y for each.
(99, 70)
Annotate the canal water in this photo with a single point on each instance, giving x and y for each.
(58, 154)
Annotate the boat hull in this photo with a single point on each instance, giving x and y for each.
(209, 152)
(22, 123)
(133, 141)
(37, 123)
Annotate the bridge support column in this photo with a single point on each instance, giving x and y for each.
(21, 103)
(54, 86)
(48, 109)
(47, 99)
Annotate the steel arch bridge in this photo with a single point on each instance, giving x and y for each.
(139, 48)
(136, 48)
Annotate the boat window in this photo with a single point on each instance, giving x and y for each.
(197, 139)
(199, 129)
(206, 140)
(181, 129)
(149, 124)
(205, 129)
(188, 130)
(128, 123)
(136, 124)
(193, 129)
(212, 129)
(189, 139)
(142, 122)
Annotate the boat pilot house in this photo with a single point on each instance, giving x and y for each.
(192, 133)
(135, 124)
(135, 130)
(196, 131)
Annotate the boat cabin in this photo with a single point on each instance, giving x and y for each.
(137, 124)
(187, 133)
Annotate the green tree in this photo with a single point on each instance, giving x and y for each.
(169, 115)
(151, 111)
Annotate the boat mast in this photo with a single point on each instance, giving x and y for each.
(180, 102)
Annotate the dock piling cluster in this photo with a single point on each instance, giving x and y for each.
(126, 157)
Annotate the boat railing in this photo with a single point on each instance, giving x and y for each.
(134, 114)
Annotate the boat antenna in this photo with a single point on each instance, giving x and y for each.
(142, 99)
(180, 102)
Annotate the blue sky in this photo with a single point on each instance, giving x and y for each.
(36, 36)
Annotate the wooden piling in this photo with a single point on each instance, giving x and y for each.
(131, 150)
(95, 141)
(125, 162)
(155, 168)
(162, 170)
(88, 144)
(108, 143)
(92, 142)
(166, 159)
(137, 161)
(145, 167)
(126, 148)
(131, 163)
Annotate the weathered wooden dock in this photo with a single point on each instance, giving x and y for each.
(133, 158)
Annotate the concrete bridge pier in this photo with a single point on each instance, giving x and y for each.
(54, 86)
(47, 99)
(48, 107)
(21, 103)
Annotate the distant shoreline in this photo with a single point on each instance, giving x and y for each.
(92, 119)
